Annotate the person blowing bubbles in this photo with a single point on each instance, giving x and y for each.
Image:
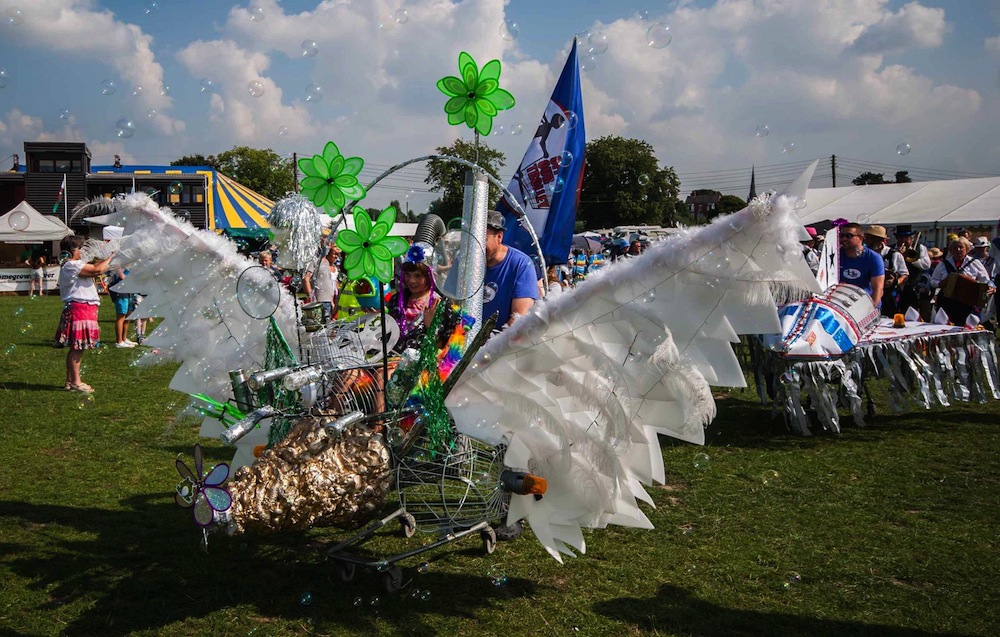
(78, 329)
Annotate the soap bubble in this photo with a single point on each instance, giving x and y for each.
(643, 179)
(401, 16)
(15, 17)
(498, 130)
(165, 91)
(256, 14)
(643, 15)
(151, 113)
(175, 188)
(64, 113)
(792, 579)
(183, 215)
(558, 185)
(137, 91)
(282, 130)
(800, 203)
(565, 159)
(425, 595)
(572, 119)
(255, 88)
(701, 460)
(375, 601)
(309, 48)
(10, 349)
(659, 36)
(423, 567)
(124, 128)
(314, 93)
(788, 148)
(497, 575)
(26, 327)
(18, 220)
(207, 86)
(589, 63)
(597, 43)
(150, 8)
(358, 602)
(108, 87)
(19, 310)
(306, 598)
(509, 30)
(864, 218)
(762, 130)
(85, 402)
(394, 436)
(516, 129)
(4, 77)
(768, 477)
(903, 149)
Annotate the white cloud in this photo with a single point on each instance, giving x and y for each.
(993, 44)
(75, 27)
(913, 26)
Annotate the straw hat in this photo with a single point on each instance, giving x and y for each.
(877, 231)
(935, 253)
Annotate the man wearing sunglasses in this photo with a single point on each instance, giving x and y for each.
(860, 265)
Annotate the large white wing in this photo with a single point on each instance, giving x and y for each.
(579, 389)
(201, 286)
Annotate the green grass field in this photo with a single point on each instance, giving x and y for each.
(888, 530)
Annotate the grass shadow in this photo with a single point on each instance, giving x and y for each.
(675, 611)
(140, 568)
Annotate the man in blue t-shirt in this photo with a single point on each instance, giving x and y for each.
(510, 286)
(860, 265)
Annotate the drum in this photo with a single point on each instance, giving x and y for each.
(824, 326)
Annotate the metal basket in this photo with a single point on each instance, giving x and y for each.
(450, 490)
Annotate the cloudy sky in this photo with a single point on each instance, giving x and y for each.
(883, 84)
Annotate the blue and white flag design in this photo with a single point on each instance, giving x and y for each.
(547, 183)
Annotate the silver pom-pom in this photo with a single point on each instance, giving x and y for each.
(298, 232)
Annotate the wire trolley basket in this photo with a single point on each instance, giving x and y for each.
(452, 489)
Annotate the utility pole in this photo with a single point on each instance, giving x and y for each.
(295, 172)
(833, 169)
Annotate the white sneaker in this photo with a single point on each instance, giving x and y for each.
(125, 345)
(132, 343)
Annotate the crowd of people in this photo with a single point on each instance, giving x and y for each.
(908, 274)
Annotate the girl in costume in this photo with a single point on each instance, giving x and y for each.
(78, 328)
(414, 303)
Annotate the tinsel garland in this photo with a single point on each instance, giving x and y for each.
(277, 354)
(435, 365)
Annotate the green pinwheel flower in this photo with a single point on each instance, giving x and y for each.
(369, 248)
(476, 97)
(331, 179)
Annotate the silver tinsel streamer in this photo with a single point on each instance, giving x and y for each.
(298, 232)
(927, 370)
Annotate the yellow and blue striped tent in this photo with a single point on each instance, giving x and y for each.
(228, 204)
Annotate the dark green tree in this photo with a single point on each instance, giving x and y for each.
(263, 171)
(729, 204)
(869, 178)
(196, 160)
(903, 177)
(448, 177)
(624, 185)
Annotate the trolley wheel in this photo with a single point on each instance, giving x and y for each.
(408, 524)
(393, 580)
(509, 532)
(345, 571)
(489, 540)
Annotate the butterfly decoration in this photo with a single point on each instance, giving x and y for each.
(202, 493)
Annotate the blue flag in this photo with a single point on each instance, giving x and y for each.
(547, 183)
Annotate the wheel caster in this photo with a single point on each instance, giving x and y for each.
(345, 571)
(408, 524)
(392, 580)
(489, 540)
(509, 532)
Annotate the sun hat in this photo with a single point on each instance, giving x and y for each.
(982, 242)
(877, 231)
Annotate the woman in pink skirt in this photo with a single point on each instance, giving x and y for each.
(78, 329)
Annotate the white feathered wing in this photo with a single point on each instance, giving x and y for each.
(579, 389)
